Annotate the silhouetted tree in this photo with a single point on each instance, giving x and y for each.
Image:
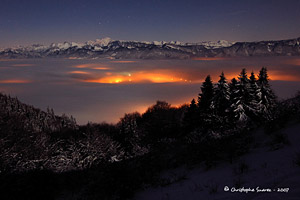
(233, 96)
(222, 97)
(240, 99)
(205, 103)
(161, 121)
(130, 134)
(221, 102)
(205, 98)
(268, 98)
(255, 98)
(191, 117)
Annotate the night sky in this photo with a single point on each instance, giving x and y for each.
(24, 22)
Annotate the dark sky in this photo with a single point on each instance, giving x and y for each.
(24, 22)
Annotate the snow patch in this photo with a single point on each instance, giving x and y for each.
(100, 42)
(215, 45)
(265, 169)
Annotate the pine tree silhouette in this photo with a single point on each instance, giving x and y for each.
(205, 98)
(268, 97)
(221, 102)
(205, 103)
(241, 98)
(255, 97)
(191, 117)
(222, 96)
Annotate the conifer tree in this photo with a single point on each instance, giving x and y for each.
(130, 135)
(222, 96)
(205, 99)
(193, 109)
(244, 85)
(205, 103)
(191, 117)
(268, 98)
(232, 87)
(233, 90)
(240, 97)
(193, 106)
(255, 96)
(254, 89)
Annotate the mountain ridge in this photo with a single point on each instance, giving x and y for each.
(119, 49)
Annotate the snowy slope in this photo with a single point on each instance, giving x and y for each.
(262, 167)
(215, 45)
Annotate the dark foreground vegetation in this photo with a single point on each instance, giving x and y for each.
(44, 156)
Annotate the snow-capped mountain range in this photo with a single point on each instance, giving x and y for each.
(118, 49)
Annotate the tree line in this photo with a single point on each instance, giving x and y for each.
(235, 104)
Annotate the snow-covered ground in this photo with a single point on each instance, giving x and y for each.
(272, 170)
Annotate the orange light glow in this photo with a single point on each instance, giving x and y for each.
(73, 58)
(109, 79)
(123, 61)
(78, 72)
(15, 81)
(141, 108)
(154, 77)
(283, 77)
(100, 68)
(229, 76)
(92, 66)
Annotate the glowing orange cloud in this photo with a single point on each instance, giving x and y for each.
(92, 66)
(154, 77)
(283, 77)
(100, 68)
(15, 81)
(78, 72)
(157, 77)
(110, 79)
